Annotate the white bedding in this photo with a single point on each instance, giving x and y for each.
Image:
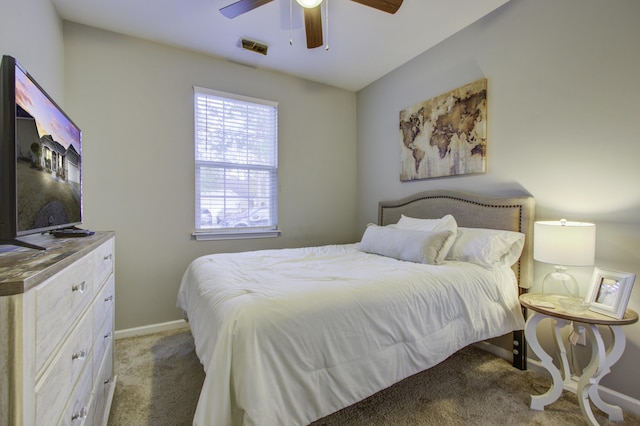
(289, 336)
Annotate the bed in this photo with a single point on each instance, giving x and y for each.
(289, 336)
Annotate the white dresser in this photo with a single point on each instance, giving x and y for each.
(56, 332)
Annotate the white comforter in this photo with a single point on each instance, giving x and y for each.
(289, 336)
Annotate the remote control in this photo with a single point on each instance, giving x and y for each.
(71, 233)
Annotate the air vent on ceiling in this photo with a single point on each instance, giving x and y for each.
(254, 46)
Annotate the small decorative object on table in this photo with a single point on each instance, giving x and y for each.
(574, 305)
(609, 292)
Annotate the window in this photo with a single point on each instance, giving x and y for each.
(236, 161)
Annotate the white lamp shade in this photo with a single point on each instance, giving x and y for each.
(564, 243)
(309, 3)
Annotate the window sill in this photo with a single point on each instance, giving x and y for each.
(235, 234)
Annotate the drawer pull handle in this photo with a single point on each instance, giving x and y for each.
(79, 355)
(106, 382)
(80, 415)
(109, 299)
(79, 287)
(108, 256)
(108, 335)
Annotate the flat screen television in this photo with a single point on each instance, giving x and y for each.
(40, 160)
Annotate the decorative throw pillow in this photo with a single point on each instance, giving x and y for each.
(446, 223)
(490, 248)
(405, 244)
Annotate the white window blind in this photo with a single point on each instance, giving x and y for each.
(236, 140)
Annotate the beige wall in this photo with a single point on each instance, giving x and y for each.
(31, 32)
(134, 102)
(563, 125)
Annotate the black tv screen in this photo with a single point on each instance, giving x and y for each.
(41, 158)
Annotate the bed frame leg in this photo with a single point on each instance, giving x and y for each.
(520, 347)
(520, 344)
(519, 350)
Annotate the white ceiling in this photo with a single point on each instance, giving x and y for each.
(364, 43)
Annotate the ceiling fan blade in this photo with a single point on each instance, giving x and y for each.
(389, 6)
(313, 27)
(242, 6)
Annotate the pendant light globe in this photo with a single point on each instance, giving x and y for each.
(309, 4)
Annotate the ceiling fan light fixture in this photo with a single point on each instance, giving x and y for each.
(309, 4)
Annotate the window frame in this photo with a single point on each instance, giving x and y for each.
(224, 233)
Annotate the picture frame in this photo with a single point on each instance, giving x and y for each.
(445, 135)
(609, 292)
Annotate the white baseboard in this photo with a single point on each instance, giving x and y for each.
(150, 329)
(608, 395)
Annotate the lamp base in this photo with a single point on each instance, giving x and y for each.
(560, 282)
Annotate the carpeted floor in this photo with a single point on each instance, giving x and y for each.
(159, 380)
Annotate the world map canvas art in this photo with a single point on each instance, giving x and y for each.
(445, 135)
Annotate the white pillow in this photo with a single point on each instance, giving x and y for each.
(446, 223)
(490, 248)
(405, 244)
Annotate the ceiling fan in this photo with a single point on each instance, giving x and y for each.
(312, 14)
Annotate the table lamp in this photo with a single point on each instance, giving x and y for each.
(563, 244)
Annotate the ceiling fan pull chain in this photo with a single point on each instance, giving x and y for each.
(290, 22)
(326, 12)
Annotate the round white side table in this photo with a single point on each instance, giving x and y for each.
(602, 358)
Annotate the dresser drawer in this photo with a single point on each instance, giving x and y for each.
(59, 302)
(102, 387)
(103, 262)
(103, 341)
(103, 305)
(74, 360)
(77, 412)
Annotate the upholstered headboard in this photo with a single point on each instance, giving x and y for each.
(477, 211)
(473, 211)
